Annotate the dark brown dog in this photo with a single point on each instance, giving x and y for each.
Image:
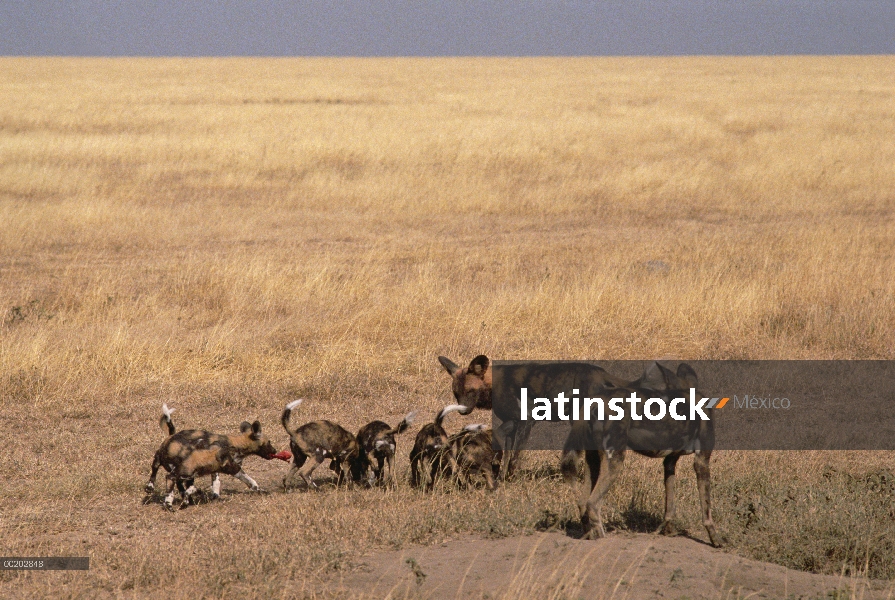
(475, 455)
(432, 453)
(378, 442)
(319, 440)
(193, 453)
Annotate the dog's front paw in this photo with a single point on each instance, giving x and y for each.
(150, 488)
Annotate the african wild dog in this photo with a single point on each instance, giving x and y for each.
(475, 455)
(193, 453)
(317, 441)
(612, 438)
(378, 441)
(432, 452)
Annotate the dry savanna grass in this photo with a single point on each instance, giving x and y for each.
(228, 235)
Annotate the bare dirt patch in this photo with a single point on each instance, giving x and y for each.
(552, 565)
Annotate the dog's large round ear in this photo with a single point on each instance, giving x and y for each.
(479, 365)
(449, 365)
(654, 377)
(244, 426)
(686, 375)
(256, 429)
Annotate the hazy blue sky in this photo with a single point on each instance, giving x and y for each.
(438, 28)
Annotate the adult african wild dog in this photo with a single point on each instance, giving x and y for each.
(472, 387)
(667, 438)
(377, 439)
(193, 453)
(319, 440)
(475, 455)
(432, 451)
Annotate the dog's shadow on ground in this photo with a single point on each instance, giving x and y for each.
(199, 498)
(632, 520)
(159, 500)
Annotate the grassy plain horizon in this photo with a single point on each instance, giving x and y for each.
(226, 235)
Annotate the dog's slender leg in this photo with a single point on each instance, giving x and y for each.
(298, 460)
(391, 473)
(306, 471)
(610, 467)
(339, 469)
(187, 495)
(289, 476)
(511, 436)
(426, 467)
(464, 479)
(150, 485)
(415, 473)
(704, 482)
(169, 499)
(506, 435)
(669, 465)
(452, 466)
(489, 478)
(591, 474)
(215, 486)
(248, 481)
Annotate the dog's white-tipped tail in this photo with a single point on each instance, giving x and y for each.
(287, 412)
(448, 410)
(165, 421)
(405, 423)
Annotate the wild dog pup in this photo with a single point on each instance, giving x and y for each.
(378, 442)
(475, 455)
(432, 452)
(193, 453)
(317, 441)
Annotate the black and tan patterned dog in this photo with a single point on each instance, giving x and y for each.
(314, 442)
(432, 453)
(193, 453)
(377, 439)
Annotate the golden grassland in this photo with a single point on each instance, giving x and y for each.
(226, 235)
